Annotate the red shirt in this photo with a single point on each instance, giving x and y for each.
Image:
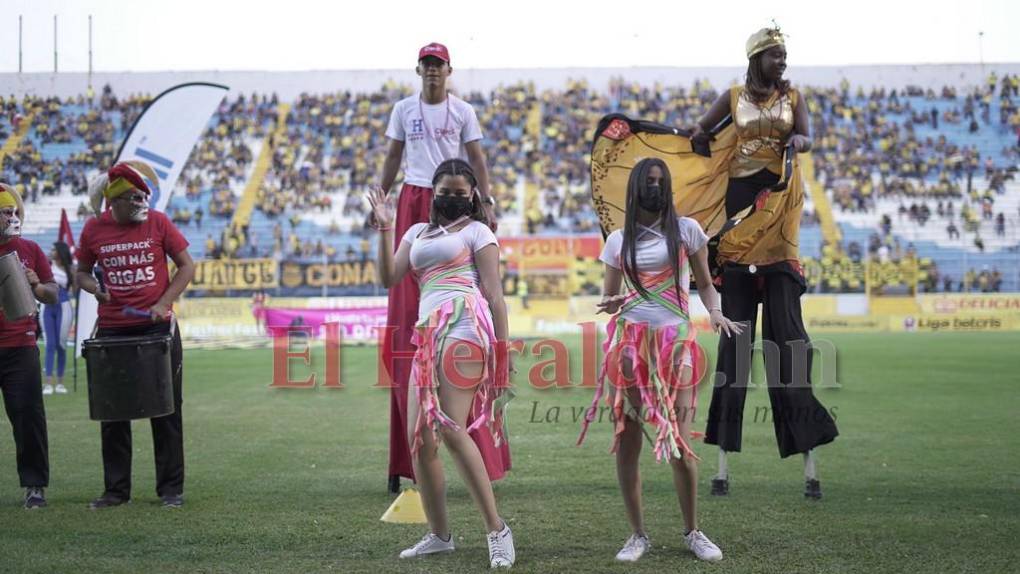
(22, 333)
(132, 257)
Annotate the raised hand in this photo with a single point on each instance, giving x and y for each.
(382, 207)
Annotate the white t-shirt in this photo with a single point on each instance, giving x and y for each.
(430, 140)
(59, 275)
(652, 256)
(438, 247)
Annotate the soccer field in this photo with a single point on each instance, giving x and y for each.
(925, 477)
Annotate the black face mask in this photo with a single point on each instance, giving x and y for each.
(452, 206)
(650, 199)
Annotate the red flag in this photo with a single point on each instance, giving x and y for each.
(65, 233)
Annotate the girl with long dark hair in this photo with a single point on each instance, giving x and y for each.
(57, 319)
(454, 258)
(650, 355)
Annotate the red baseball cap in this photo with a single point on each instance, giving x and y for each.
(434, 49)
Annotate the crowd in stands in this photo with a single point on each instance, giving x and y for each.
(220, 164)
(882, 144)
(334, 144)
(870, 143)
(885, 265)
(89, 126)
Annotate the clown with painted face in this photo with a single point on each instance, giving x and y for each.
(129, 243)
(11, 213)
(20, 375)
(127, 189)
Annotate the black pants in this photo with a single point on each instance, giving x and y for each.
(801, 422)
(21, 383)
(167, 432)
(741, 191)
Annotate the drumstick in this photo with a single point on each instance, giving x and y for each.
(133, 312)
(98, 274)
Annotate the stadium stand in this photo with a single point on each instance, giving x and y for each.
(910, 190)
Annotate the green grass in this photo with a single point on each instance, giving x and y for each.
(924, 477)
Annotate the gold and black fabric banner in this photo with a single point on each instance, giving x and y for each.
(762, 234)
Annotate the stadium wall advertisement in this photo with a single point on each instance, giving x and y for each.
(218, 321)
(845, 323)
(357, 324)
(346, 277)
(288, 295)
(970, 303)
(543, 258)
(235, 274)
(549, 252)
(956, 322)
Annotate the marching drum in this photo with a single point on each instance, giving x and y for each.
(16, 298)
(129, 377)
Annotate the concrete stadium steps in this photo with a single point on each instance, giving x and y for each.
(811, 240)
(819, 201)
(242, 214)
(12, 142)
(262, 226)
(43, 216)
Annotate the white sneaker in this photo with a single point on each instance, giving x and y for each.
(501, 548)
(429, 544)
(634, 549)
(61, 390)
(47, 389)
(702, 547)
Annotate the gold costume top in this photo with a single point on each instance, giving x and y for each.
(762, 131)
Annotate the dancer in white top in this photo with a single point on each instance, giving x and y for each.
(455, 261)
(650, 354)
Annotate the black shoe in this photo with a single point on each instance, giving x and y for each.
(35, 497)
(108, 500)
(394, 485)
(720, 486)
(812, 489)
(173, 500)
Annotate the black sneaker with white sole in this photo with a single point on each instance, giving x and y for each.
(35, 497)
(720, 486)
(108, 500)
(812, 489)
(173, 501)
